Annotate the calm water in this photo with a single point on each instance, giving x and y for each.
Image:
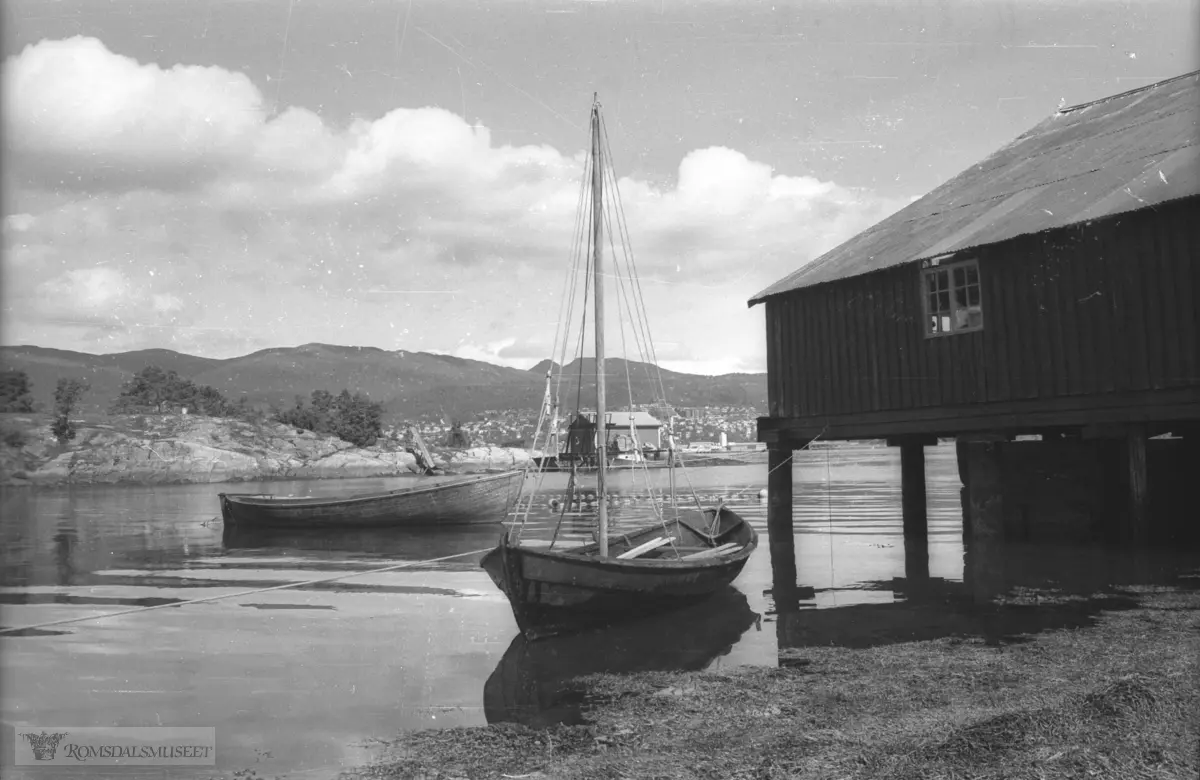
(298, 681)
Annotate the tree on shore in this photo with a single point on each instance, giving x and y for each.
(66, 395)
(353, 418)
(15, 392)
(154, 390)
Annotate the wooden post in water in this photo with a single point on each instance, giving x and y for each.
(912, 487)
(916, 564)
(1135, 453)
(780, 530)
(985, 489)
(598, 276)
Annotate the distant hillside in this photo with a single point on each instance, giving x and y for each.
(408, 383)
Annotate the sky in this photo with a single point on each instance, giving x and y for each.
(222, 176)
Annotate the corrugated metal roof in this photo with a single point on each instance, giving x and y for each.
(1114, 155)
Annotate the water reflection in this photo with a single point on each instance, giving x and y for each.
(1008, 592)
(361, 543)
(308, 673)
(64, 564)
(532, 683)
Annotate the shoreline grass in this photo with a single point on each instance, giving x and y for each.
(1120, 700)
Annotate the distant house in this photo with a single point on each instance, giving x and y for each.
(646, 429)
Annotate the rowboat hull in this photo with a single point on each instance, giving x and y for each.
(555, 592)
(475, 499)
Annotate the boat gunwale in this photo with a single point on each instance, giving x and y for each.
(269, 500)
(573, 555)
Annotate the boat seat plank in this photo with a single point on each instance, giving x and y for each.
(642, 549)
(713, 551)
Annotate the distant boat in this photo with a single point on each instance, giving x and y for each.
(532, 684)
(687, 555)
(394, 542)
(432, 501)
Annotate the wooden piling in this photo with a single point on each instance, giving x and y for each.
(916, 564)
(780, 527)
(912, 489)
(1135, 457)
(985, 489)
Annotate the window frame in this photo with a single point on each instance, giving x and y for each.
(943, 268)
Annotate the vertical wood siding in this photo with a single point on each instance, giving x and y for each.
(1108, 306)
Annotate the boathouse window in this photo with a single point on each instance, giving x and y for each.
(953, 301)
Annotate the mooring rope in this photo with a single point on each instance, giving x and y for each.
(393, 567)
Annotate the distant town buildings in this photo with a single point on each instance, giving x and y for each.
(701, 426)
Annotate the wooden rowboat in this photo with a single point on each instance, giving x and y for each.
(482, 498)
(656, 567)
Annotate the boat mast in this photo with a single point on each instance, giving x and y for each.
(598, 276)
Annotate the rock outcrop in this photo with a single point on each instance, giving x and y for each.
(164, 449)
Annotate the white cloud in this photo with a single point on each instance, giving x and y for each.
(280, 227)
(18, 223)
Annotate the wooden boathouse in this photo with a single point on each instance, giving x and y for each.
(1049, 293)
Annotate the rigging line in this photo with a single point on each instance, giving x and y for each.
(287, 29)
(788, 459)
(587, 265)
(485, 67)
(633, 265)
(562, 336)
(571, 275)
(406, 564)
(567, 309)
(641, 319)
(586, 244)
(403, 33)
(623, 297)
(582, 331)
(633, 273)
(562, 330)
(631, 308)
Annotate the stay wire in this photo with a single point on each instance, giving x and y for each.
(285, 586)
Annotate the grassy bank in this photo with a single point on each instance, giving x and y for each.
(1118, 700)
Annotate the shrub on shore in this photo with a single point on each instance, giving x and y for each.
(353, 418)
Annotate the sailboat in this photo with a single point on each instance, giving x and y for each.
(686, 556)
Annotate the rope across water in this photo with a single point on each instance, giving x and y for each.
(405, 565)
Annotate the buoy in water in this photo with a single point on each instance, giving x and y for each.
(762, 493)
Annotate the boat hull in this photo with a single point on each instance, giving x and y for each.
(556, 592)
(476, 499)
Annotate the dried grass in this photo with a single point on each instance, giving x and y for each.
(1119, 701)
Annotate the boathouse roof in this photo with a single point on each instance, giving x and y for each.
(1117, 154)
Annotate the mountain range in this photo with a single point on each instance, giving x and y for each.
(409, 384)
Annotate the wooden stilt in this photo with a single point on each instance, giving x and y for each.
(1139, 520)
(916, 565)
(961, 449)
(912, 489)
(780, 530)
(985, 491)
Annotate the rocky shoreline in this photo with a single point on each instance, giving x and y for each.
(180, 449)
